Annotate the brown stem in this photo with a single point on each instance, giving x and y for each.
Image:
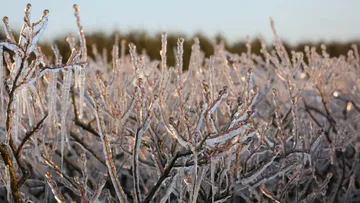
(25, 171)
(15, 189)
(28, 136)
(22, 165)
(167, 170)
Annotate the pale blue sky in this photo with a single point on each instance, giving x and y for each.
(296, 20)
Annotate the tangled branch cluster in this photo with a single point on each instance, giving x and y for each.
(280, 127)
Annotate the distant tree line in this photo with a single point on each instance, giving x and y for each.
(152, 45)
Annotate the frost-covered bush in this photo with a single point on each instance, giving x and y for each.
(280, 127)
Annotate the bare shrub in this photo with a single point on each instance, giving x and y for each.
(279, 127)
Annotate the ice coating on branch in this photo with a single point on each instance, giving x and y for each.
(258, 172)
(163, 63)
(176, 135)
(317, 142)
(224, 137)
(223, 94)
(134, 60)
(108, 156)
(81, 35)
(58, 57)
(15, 48)
(199, 124)
(54, 188)
(71, 41)
(163, 51)
(136, 150)
(25, 28)
(169, 190)
(38, 30)
(97, 192)
(25, 97)
(179, 56)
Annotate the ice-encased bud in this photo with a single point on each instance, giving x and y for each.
(46, 12)
(6, 20)
(76, 7)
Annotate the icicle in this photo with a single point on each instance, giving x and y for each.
(23, 103)
(37, 153)
(82, 91)
(26, 106)
(212, 177)
(181, 177)
(64, 107)
(38, 99)
(199, 178)
(76, 79)
(16, 118)
(195, 178)
(52, 97)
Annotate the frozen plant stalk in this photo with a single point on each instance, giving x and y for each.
(108, 158)
(81, 79)
(54, 188)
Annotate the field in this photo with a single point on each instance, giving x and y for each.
(282, 126)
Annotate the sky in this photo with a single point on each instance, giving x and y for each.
(295, 20)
